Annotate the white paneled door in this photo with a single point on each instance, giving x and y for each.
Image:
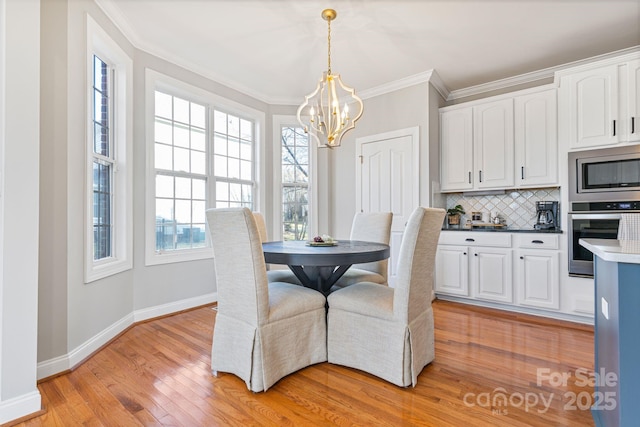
(387, 180)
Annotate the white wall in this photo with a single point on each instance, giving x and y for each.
(19, 140)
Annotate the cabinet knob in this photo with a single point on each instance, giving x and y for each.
(464, 253)
(475, 254)
(521, 257)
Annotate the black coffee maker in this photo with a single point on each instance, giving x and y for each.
(546, 216)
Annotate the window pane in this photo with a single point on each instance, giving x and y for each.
(164, 186)
(163, 131)
(163, 157)
(100, 140)
(198, 115)
(220, 122)
(246, 130)
(220, 166)
(101, 210)
(183, 211)
(181, 135)
(234, 169)
(198, 140)
(199, 189)
(295, 174)
(164, 209)
(220, 145)
(234, 148)
(199, 211)
(180, 110)
(245, 171)
(198, 237)
(181, 160)
(245, 150)
(235, 192)
(198, 162)
(234, 126)
(163, 105)
(183, 188)
(222, 191)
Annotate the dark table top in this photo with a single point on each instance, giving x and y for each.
(345, 252)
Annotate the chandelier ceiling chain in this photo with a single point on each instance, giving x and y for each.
(326, 121)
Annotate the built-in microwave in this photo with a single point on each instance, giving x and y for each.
(605, 175)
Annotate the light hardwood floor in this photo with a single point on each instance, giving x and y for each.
(158, 373)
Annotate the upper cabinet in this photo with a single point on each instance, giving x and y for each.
(493, 144)
(536, 139)
(500, 142)
(600, 104)
(456, 136)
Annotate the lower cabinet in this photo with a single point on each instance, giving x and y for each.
(536, 278)
(509, 268)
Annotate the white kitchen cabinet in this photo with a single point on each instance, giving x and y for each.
(493, 144)
(452, 270)
(536, 277)
(634, 100)
(537, 270)
(490, 273)
(536, 140)
(456, 136)
(600, 103)
(474, 265)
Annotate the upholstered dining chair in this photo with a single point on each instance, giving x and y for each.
(368, 227)
(263, 331)
(386, 331)
(275, 275)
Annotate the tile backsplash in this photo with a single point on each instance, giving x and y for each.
(517, 208)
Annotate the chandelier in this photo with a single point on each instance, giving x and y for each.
(327, 122)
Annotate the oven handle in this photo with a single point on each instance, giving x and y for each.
(595, 216)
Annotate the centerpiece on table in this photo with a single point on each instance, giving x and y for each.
(324, 240)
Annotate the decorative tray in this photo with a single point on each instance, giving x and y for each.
(322, 243)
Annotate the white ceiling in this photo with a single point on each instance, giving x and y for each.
(276, 50)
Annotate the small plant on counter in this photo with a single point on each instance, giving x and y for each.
(453, 214)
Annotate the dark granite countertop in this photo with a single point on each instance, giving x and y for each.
(504, 230)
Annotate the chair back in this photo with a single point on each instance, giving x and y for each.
(416, 263)
(372, 227)
(262, 226)
(241, 276)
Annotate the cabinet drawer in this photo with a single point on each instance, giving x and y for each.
(474, 238)
(537, 241)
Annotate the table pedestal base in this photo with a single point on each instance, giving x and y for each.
(320, 278)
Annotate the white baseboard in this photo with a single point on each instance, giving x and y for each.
(70, 360)
(21, 406)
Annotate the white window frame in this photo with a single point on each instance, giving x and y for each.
(100, 44)
(280, 121)
(163, 83)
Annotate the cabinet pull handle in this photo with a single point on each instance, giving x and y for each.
(633, 125)
(537, 241)
(521, 172)
(480, 175)
(469, 177)
(614, 128)
(469, 239)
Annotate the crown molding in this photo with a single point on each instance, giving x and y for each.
(534, 76)
(426, 76)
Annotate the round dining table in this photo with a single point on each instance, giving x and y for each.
(320, 266)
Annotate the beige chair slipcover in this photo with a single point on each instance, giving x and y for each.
(263, 331)
(368, 227)
(386, 331)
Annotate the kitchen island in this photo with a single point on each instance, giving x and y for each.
(617, 326)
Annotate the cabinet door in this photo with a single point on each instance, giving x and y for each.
(536, 141)
(593, 107)
(491, 274)
(493, 144)
(537, 276)
(456, 148)
(452, 271)
(634, 101)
